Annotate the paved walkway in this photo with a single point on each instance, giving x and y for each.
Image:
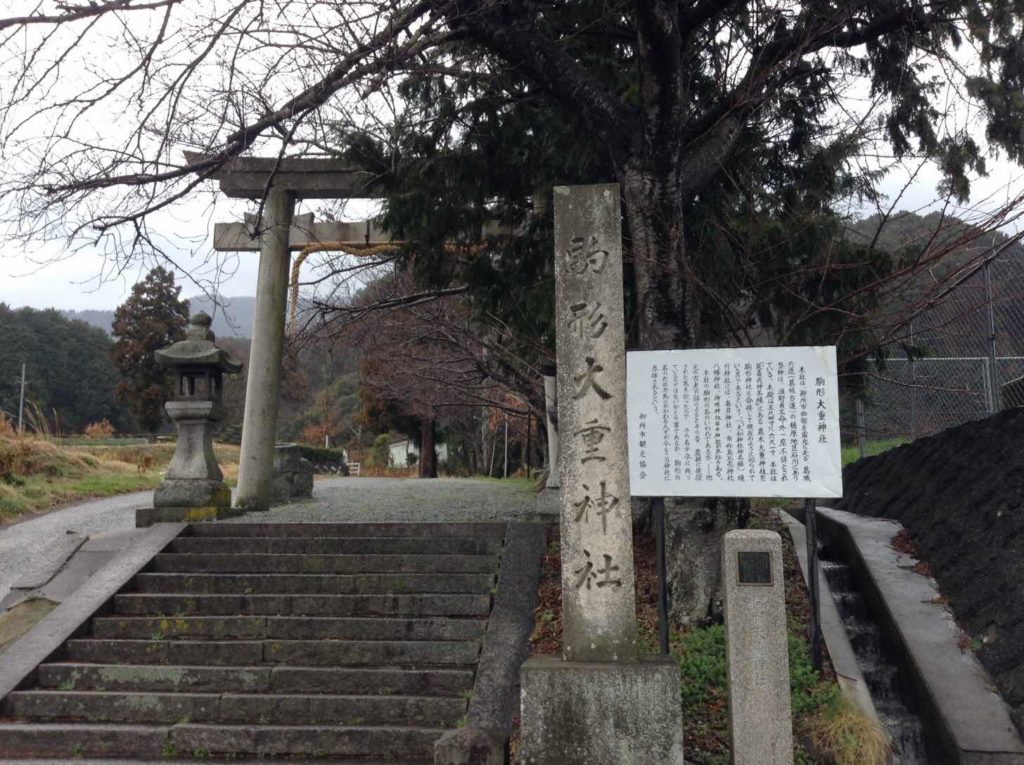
(24, 543)
(334, 499)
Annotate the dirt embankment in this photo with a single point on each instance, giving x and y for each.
(961, 495)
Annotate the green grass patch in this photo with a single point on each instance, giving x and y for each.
(871, 448)
(700, 654)
(37, 493)
(83, 441)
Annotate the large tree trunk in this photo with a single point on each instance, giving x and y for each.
(667, 311)
(428, 452)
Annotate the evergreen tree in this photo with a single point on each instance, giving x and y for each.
(70, 377)
(152, 317)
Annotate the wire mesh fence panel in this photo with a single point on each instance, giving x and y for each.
(967, 358)
(1008, 319)
(908, 399)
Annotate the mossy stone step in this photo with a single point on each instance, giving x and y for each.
(494, 531)
(323, 564)
(332, 642)
(338, 545)
(413, 605)
(334, 584)
(286, 627)
(308, 741)
(234, 709)
(74, 741)
(362, 681)
(340, 653)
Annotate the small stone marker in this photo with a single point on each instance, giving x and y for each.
(602, 704)
(760, 719)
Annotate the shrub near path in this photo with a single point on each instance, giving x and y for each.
(37, 475)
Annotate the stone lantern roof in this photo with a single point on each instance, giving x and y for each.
(198, 348)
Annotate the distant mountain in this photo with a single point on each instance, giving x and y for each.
(232, 318)
(101, 319)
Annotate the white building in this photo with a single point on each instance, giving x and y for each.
(402, 449)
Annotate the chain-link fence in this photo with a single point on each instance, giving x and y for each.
(972, 341)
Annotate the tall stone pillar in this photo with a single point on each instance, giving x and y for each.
(600, 704)
(598, 596)
(263, 385)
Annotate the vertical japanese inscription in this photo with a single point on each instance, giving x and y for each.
(599, 615)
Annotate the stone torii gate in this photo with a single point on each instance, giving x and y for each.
(279, 182)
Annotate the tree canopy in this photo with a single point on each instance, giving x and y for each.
(733, 128)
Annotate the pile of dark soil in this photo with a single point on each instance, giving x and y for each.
(961, 495)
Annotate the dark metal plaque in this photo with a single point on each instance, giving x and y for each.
(754, 567)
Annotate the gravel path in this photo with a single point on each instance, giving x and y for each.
(334, 499)
(405, 499)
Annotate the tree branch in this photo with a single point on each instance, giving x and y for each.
(76, 12)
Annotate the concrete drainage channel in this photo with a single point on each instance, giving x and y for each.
(880, 670)
(899, 653)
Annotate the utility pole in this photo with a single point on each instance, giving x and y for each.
(21, 402)
(994, 402)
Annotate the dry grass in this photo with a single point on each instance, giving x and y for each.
(851, 737)
(37, 474)
(28, 455)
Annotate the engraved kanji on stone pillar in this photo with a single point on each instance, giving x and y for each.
(599, 610)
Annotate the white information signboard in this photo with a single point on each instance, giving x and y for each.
(734, 422)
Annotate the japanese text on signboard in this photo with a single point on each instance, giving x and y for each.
(745, 422)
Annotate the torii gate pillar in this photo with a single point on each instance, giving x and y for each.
(263, 384)
(279, 182)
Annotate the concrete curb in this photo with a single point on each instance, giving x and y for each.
(495, 697)
(970, 722)
(38, 644)
(844, 662)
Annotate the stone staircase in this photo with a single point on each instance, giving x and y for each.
(339, 642)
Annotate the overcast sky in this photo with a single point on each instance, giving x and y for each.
(83, 280)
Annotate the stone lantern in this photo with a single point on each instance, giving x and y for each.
(193, 488)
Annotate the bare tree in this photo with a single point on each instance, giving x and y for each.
(102, 98)
(430, 362)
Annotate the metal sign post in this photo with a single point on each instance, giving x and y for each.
(658, 517)
(811, 524)
(735, 422)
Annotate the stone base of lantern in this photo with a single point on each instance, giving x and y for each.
(147, 516)
(614, 713)
(187, 500)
